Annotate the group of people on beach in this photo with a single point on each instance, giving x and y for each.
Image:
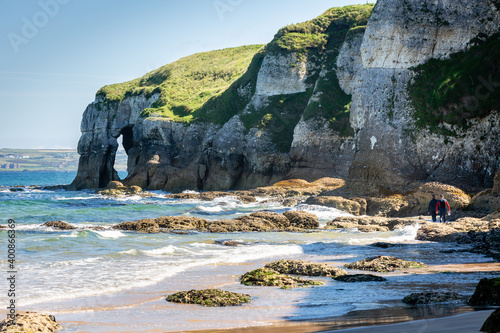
(441, 207)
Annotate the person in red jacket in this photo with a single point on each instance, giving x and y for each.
(443, 207)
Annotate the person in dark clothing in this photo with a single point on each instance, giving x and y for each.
(432, 208)
(443, 207)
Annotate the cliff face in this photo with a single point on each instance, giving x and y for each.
(334, 96)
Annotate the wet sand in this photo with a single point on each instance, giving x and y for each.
(389, 320)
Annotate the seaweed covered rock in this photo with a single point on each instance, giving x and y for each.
(147, 226)
(487, 293)
(270, 278)
(181, 222)
(370, 223)
(30, 322)
(384, 264)
(360, 278)
(117, 189)
(300, 267)
(61, 225)
(303, 220)
(209, 297)
(432, 297)
(492, 324)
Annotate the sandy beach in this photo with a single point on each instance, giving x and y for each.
(469, 322)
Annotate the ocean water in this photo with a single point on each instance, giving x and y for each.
(72, 273)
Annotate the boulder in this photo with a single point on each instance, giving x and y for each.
(492, 324)
(349, 206)
(148, 226)
(181, 222)
(279, 220)
(384, 264)
(432, 297)
(419, 200)
(371, 223)
(113, 185)
(300, 267)
(30, 322)
(270, 278)
(487, 293)
(59, 225)
(209, 297)
(485, 202)
(302, 220)
(360, 278)
(117, 189)
(393, 205)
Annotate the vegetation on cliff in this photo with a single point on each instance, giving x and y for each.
(456, 90)
(185, 85)
(215, 86)
(317, 41)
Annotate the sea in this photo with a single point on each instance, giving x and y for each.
(116, 281)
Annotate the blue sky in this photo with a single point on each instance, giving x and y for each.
(56, 54)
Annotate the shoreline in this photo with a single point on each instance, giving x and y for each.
(119, 312)
(394, 319)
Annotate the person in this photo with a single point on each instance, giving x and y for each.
(443, 207)
(432, 208)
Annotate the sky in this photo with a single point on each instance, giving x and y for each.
(56, 54)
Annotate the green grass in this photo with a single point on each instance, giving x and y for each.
(215, 86)
(458, 89)
(187, 84)
(318, 33)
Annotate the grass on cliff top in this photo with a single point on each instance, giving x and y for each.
(185, 85)
(317, 33)
(463, 87)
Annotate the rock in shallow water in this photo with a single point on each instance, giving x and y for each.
(300, 267)
(59, 225)
(209, 297)
(270, 278)
(432, 297)
(487, 293)
(360, 278)
(30, 322)
(384, 264)
(492, 324)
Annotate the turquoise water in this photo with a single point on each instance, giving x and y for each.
(63, 268)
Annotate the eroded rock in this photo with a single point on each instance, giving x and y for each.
(270, 278)
(360, 278)
(302, 220)
(432, 297)
(209, 297)
(487, 293)
(300, 267)
(61, 225)
(492, 323)
(30, 322)
(384, 264)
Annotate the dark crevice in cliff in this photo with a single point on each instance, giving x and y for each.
(128, 138)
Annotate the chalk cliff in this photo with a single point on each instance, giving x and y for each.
(342, 96)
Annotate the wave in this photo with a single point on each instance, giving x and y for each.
(210, 209)
(323, 213)
(407, 234)
(161, 251)
(114, 234)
